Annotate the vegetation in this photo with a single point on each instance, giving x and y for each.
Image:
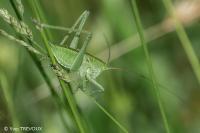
(77, 66)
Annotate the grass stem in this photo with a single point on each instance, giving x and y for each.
(111, 117)
(41, 69)
(149, 62)
(39, 15)
(187, 45)
(7, 93)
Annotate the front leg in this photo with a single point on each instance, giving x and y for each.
(79, 58)
(93, 82)
(72, 78)
(82, 19)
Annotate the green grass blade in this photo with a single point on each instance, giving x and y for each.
(40, 16)
(38, 12)
(111, 117)
(149, 62)
(37, 62)
(19, 16)
(8, 98)
(184, 39)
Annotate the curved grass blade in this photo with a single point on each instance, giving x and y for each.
(38, 63)
(110, 116)
(39, 14)
(7, 94)
(149, 62)
(187, 45)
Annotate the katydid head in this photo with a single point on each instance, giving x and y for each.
(93, 66)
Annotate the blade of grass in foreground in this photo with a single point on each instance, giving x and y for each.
(8, 97)
(37, 10)
(184, 39)
(149, 62)
(110, 116)
(39, 65)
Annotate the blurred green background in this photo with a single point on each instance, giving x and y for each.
(129, 95)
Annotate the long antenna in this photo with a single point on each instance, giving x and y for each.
(108, 44)
(114, 68)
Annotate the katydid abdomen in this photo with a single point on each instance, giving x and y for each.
(84, 77)
(91, 65)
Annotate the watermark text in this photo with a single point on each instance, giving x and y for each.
(24, 129)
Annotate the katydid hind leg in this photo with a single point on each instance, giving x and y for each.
(75, 40)
(82, 19)
(72, 29)
(79, 58)
(59, 28)
(41, 26)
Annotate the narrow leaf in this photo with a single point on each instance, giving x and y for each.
(20, 7)
(32, 49)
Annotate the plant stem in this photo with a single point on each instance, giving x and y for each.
(149, 62)
(7, 93)
(16, 10)
(187, 45)
(66, 90)
(41, 69)
(110, 116)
